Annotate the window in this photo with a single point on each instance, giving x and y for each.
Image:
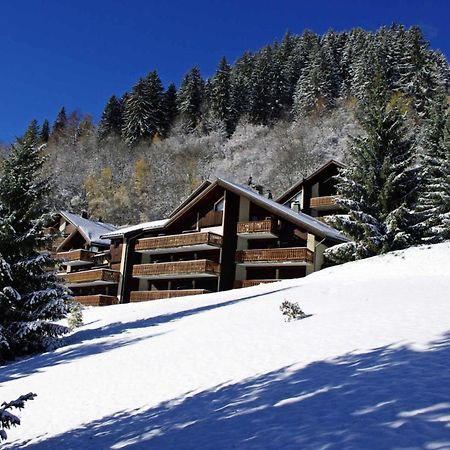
(218, 206)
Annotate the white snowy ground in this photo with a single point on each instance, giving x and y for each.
(370, 369)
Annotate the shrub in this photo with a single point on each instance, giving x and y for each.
(75, 318)
(291, 311)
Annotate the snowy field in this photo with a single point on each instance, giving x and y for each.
(369, 369)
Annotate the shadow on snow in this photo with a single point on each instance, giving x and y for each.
(70, 351)
(385, 398)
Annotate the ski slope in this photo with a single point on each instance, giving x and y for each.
(369, 369)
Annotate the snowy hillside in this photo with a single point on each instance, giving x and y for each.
(369, 369)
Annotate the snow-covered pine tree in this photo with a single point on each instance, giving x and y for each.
(219, 105)
(240, 85)
(190, 99)
(31, 299)
(111, 121)
(433, 203)
(377, 188)
(144, 115)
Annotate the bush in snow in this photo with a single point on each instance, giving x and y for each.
(291, 311)
(7, 419)
(75, 318)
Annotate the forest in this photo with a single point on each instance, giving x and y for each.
(275, 115)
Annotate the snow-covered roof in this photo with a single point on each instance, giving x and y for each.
(145, 226)
(90, 229)
(309, 223)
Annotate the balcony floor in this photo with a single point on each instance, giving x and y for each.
(274, 263)
(258, 235)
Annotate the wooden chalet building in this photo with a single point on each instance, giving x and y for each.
(223, 236)
(85, 261)
(316, 194)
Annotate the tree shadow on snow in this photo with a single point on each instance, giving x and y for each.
(69, 352)
(385, 398)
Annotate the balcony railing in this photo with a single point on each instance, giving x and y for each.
(96, 300)
(325, 202)
(180, 269)
(143, 296)
(249, 283)
(257, 229)
(275, 256)
(91, 277)
(75, 257)
(179, 243)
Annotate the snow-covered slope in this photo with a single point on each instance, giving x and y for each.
(370, 368)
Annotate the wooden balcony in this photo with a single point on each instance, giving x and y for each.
(201, 268)
(250, 283)
(190, 242)
(296, 256)
(258, 229)
(323, 203)
(96, 300)
(144, 296)
(90, 277)
(75, 257)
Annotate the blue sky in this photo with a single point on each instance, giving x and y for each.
(79, 53)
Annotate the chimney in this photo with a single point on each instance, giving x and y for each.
(84, 214)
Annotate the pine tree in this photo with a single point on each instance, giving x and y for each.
(241, 85)
(170, 107)
(219, 92)
(60, 122)
(45, 131)
(31, 299)
(190, 100)
(377, 188)
(111, 122)
(144, 114)
(433, 204)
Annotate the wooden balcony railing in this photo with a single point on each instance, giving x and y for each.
(96, 300)
(249, 283)
(275, 255)
(143, 296)
(178, 242)
(74, 256)
(104, 276)
(257, 226)
(179, 269)
(323, 202)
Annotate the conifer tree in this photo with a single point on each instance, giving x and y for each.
(60, 122)
(377, 188)
(31, 299)
(144, 115)
(45, 131)
(111, 121)
(170, 107)
(219, 92)
(433, 204)
(190, 99)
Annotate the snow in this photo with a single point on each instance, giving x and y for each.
(90, 228)
(370, 368)
(145, 226)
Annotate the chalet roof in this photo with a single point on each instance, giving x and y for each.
(286, 195)
(91, 230)
(145, 226)
(300, 219)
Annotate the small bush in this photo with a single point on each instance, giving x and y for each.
(75, 318)
(291, 311)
